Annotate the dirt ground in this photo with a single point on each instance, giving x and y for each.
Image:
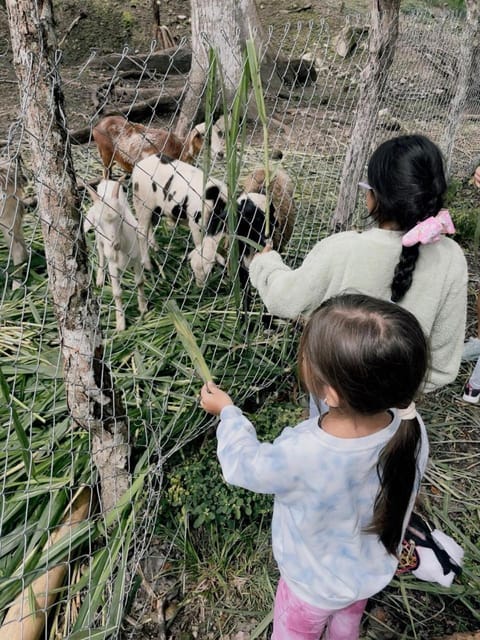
(97, 28)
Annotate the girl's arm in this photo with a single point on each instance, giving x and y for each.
(286, 292)
(246, 462)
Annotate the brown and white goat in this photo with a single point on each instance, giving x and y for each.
(126, 143)
(11, 213)
(178, 191)
(251, 207)
(117, 242)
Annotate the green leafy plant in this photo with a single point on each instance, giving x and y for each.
(196, 489)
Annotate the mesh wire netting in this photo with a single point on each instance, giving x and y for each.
(45, 459)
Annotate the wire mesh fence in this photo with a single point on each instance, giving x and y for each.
(50, 515)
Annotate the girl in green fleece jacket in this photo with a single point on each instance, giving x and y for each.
(406, 257)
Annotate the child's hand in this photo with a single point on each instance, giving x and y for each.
(213, 399)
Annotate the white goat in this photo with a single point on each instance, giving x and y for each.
(117, 241)
(217, 137)
(175, 189)
(11, 213)
(250, 224)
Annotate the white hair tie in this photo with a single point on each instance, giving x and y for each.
(409, 413)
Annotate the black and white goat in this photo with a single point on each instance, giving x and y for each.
(11, 213)
(174, 189)
(250, 224)
(117, 242)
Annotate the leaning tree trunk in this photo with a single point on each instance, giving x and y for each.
(383, 38)
(92, 402)
(225, 25)
(465, 63)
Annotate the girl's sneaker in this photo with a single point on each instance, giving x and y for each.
(470, 394)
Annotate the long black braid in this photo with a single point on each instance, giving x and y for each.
(403, 274)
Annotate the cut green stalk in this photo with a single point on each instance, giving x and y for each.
(187, 338)
(245, 240)
(256, 80)
(210, 93)
(260, 628)
(403, 591)
(234, 130)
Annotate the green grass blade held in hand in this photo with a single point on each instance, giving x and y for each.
(185, 334)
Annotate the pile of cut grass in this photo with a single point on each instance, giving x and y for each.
(45, 459)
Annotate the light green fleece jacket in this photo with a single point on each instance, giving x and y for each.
(365, 262)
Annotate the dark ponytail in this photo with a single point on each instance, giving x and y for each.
(407, 176)
(397, 467)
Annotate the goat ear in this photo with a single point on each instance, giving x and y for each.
(195, 143)
(93, 194)
(200, 128)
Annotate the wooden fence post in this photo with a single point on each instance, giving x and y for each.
(383, 38)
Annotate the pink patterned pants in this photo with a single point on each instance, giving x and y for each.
(294, 619)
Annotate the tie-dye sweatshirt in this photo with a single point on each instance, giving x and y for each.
(324, 489)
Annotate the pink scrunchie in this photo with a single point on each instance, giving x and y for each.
(429, 230)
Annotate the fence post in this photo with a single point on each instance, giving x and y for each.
(91, 399)
(465, 59)
(383, 38)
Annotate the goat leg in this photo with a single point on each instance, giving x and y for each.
(117, 295)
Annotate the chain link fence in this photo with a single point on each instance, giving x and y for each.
(49, 512)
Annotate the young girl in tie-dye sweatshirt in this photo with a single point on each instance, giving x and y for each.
(344, 482)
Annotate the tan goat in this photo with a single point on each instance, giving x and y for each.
(126, 143)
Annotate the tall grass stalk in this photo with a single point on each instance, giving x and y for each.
(234, 133)
(187, 338)
(210, 100)
(256, 80)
